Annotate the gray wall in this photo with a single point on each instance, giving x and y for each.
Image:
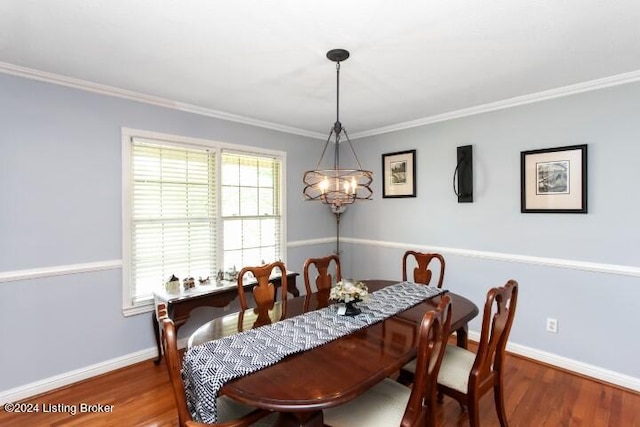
(60, 192)
(490, 241)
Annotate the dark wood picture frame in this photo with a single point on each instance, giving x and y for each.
(399, 174)
(554, 180)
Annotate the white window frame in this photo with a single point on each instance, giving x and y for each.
(128, 134)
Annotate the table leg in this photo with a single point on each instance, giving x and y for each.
(156, 331)
(462, 336)
(299, 419)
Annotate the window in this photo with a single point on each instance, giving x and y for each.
(192, 208)
(250, 210)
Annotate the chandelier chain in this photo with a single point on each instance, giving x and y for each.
(338, 125)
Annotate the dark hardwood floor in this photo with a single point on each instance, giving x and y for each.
(537, 396)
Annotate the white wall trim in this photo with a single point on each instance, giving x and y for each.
(310, 242)
(101, 89)
(571, 365)
(59, 270)
(603, 83)
(24, 392)
(57, 381)
(621, 270)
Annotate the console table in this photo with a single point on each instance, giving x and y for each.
(179, 305)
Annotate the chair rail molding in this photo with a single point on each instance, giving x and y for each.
(59, 270)
(310, 242)
(617, 269)
(621, 270)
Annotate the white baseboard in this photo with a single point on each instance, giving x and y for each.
(24, 392)
(18, 394)
(591, 371)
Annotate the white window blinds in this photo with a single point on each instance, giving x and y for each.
(251, 211)
(173, 213)
(192, 208)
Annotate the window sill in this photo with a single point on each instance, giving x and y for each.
(144, 307)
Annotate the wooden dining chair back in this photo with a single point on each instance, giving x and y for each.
(235, 414)
(466, 376)
(323, 279)
(264, 291)
(434, 334)
(390, 403)
(422, 273)
(230, 412)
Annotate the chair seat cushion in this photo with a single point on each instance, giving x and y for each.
(381, 406)
(456, 367)
(229, 409)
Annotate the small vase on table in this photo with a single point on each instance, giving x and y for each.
(352, 310)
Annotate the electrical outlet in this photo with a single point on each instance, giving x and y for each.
(552, 325)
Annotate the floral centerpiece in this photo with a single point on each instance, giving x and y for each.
(349, 292)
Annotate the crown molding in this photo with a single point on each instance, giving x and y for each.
(546, 95)
(101, 89)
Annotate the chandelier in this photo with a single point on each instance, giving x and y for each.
(338, 187)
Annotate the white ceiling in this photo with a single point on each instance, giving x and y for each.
(265, 61)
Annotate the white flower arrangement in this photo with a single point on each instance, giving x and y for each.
(347, 291)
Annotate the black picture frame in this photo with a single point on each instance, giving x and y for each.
(554, 180)
(399, 174)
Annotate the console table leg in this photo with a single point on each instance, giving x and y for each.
(291, 285)
(156, 331)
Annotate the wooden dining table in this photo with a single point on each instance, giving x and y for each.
(301, 385)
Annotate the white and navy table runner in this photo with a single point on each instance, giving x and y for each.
(207, 367)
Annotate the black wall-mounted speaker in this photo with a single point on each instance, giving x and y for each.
(464, 173)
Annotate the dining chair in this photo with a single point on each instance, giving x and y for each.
(323, 279)
(422, 273)
(390, 403)
(466, 376)
(230, 412)
(264, 292)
